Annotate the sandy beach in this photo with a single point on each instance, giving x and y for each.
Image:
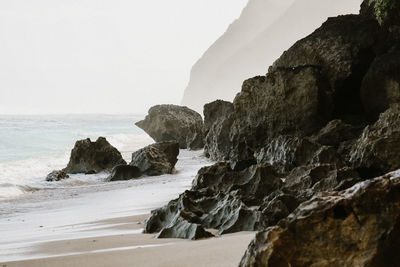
(136, 249)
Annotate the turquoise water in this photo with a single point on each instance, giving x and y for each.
(32, 146)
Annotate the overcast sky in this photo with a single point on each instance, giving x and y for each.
(103, 56)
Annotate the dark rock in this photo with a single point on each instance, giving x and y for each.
(220, 199)
(386, 12)
(344, 48)
(157, 159)
(285, 153)
(303, 182)
(174, 123)
(218, 122)
(336, 132)
(215, 111)
(378, 148)
(381, 84)
(56, 176)
(93, 157)
(356, 227)
(124, 172)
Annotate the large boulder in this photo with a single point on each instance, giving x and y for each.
(174, 123)
(93, 157)
(377, 150)
(156, 159)
(356, 227)
(124, 172)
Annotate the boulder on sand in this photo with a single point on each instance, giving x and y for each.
(93, 157)
(156, 159)
(124, 172)
(174, 123)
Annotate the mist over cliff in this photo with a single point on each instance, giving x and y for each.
(253, 42)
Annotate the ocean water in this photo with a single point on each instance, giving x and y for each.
(33, 146)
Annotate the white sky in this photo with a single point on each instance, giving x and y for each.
(103, 56)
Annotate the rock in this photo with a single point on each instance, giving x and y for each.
(303, 182)
(217, 122)
(93, 157)
(124, 172)
(215, 112)
(56, 176)
(377, 150)
(220, 199)
(355, 227)
(157, 159)
(386, 12)
(344, 48)
(381, 84)
(336, 132)
(285, 153)
(174, 123)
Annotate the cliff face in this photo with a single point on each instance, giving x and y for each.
(252, 43)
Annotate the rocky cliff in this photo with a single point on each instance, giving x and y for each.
(309, 154)
(252, 43)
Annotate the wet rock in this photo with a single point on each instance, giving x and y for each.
(355, 227)
(174, 123)
(381, 84)
(124, 172)
(377, 150)
(156, 159)
(56, 176)
(88, 156)
(336, 132)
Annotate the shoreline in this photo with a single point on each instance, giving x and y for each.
(135, 249)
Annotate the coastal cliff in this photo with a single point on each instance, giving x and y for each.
(264, 30)
(308, 152)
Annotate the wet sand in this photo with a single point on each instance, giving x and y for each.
(135, 249)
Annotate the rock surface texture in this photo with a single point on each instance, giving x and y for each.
(302, 152)
(93, 157)
(174, 123)
(157, 159)
(356, 227)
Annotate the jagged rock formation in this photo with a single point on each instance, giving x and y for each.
(301, 147)
(156, 159)
(93, 157)
(252, 43)
(174, 123)
(124, 172)
(356, 227)
(315, 81)
(55, 176)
